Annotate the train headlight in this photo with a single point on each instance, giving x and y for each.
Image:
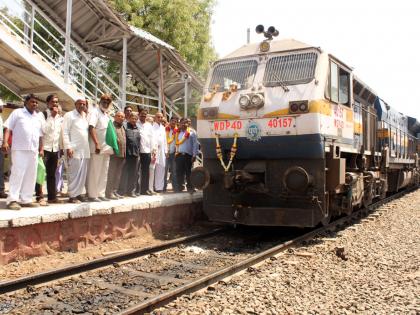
(257, 100)
(297, 179)
(303, 107)
(244, 101)
(296, 107)
(208, 113)
(200, 177)
(264, 46)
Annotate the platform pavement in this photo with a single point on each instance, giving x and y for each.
(61, 212)
(32, 232)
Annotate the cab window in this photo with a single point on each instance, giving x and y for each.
(339, 84)
(240, 73)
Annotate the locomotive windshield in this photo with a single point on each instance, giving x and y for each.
(240, 73)
(290, 69)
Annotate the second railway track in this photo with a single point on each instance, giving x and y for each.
(142, 280)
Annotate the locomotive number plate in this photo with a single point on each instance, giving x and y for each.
(286, 122)
(243, 127)
(223, 125)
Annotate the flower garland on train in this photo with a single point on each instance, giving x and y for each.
(233, 150)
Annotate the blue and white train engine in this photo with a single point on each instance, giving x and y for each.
(291, 138)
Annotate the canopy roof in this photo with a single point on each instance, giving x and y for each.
(99, 30)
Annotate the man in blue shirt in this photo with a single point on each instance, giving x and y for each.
(186, 153)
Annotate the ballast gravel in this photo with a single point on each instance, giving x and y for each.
(371, 267)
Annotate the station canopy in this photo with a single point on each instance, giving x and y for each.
(99, 30)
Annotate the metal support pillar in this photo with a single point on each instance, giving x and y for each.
(162, 98)
(68, 37)
(96, 82)
(159, 56)
(26, 28)
(171, 113)
(31, 43)
(123, 76)
(84, 76)
(185, 98)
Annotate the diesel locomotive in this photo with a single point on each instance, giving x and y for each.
(291, 137)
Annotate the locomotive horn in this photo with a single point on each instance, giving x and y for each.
(271, 30)
(259, 29)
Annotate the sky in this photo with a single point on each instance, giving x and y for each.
(380, 40)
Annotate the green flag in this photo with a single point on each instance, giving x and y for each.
(111, 138)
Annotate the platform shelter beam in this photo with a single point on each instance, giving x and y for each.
(123, 76)
(68, 38)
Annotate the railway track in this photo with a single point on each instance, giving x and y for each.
(139, 281)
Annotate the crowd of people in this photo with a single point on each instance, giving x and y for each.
(127, 155)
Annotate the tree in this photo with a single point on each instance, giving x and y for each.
(184, 24)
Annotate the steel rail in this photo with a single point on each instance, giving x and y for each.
(43, 277)
(212, 278)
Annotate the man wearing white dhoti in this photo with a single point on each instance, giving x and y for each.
(76, 145)
(161, 152)
(100, 151)
(147, 153)
(26, 143)
(150, 120)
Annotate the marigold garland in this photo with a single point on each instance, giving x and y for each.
(209, 97)
(185, 136)
(227, 94)
(168, 129)
(233, 150)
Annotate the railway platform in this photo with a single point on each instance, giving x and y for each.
(34, 232)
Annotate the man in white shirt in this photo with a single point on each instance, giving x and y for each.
(76, 145)
(2, 193)
(147, 152)
(52, 135)
(100, 151)
(161, 151)
(26, 144)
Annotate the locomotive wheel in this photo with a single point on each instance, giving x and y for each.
(384, 188)
(383, 194)
(368, 196)
(326, 220)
